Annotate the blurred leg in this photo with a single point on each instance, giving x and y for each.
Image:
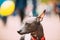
(4, 19)
(34, 7)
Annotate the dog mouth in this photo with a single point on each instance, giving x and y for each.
(21, 33)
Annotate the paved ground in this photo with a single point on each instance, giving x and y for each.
(51, 27)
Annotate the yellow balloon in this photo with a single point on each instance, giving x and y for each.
(7, 8)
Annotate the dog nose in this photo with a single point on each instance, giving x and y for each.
(19, 31)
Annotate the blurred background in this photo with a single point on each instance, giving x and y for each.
(51, 21)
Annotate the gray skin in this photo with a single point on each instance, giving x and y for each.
(35, 28)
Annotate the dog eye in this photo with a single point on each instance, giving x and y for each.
(27, 23)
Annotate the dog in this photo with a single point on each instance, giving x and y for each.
(35, 28)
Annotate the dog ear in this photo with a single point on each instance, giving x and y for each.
(40, 17)
(41, 14)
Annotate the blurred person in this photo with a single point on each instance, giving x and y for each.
(20, 6)
(34, 7)
(58, 9)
